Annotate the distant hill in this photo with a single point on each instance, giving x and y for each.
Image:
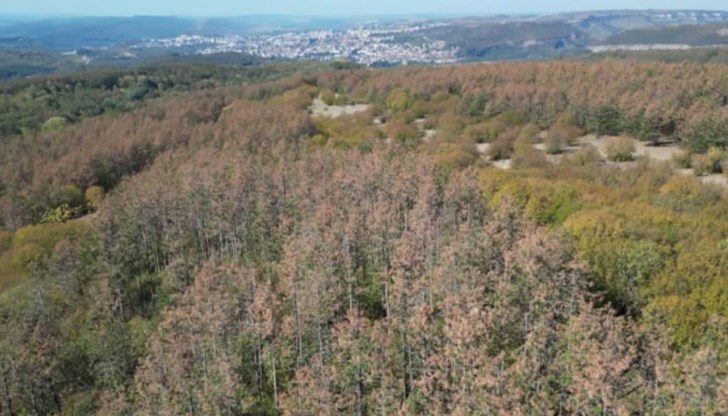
(65, 34)
(693, 35)
(59, 44)
(62, 34)
(492, 40)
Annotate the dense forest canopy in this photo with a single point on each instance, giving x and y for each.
(199, 240)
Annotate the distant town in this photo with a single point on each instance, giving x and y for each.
(366, 46)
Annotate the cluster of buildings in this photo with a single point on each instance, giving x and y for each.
(691, 16)
(367, 46)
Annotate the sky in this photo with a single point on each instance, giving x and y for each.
(330, 7)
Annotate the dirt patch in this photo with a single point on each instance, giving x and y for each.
(320, 108)
(595, 141)
(502, 164)
(428, 134)
(663, 152)
(719, 180)
(660, 152)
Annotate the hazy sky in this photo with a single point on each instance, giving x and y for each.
(329, 7)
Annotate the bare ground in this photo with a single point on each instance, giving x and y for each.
(320, 108)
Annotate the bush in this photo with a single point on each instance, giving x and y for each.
(587, 155)
(451, 123)
(522, 145)
(341, 99)
(552, 205)
(68, 195)
(472, 106)
(709, 163)
(502, 147)
(54, 123)
(529, 132)
(512, 118)
(29, 244)
(318, 140)
(529, 158)
(554, 144)
(94, 195)
(701, 165)
(398, 100)
(566, 119)
(401, 131)
(450, 156)
(524, 155)
(420, 109)
(346, 132)
(683, 159)
(60, 214)
(327, 97)
(619, 149)
(685, 193)
(701, 135)
(715, 158)
(479, 133)
(566, 133)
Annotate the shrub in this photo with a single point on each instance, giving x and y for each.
(512, 118)
(529, 132)
(327, 97)
(398, 100)
(709, 163)
(529, 158)
(472, 106)
(502, 147)
(619, 149)
(566, 119)
(54, 123)
(68, 195)
(450, 156)
(551, 205)
(554, 144)
(318, 140)
(525, 156)
(94, 195)
(341, 99)
(701, 165)
(451, 123)
(685, 193)
(701, 135)
(29, 244)
(587, 155)
(401, 131)
(715, 158)
(346, 132)
(60, 214)
(479, 133)
(566, 133)
(522, 145)
(682, 159)
(420, 109)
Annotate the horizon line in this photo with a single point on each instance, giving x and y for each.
(352, 15)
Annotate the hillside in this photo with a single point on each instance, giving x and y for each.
(708, 35)
(483, 40)
(516, 238)
(94, 42)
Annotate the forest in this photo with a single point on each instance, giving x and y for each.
(205, 240)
